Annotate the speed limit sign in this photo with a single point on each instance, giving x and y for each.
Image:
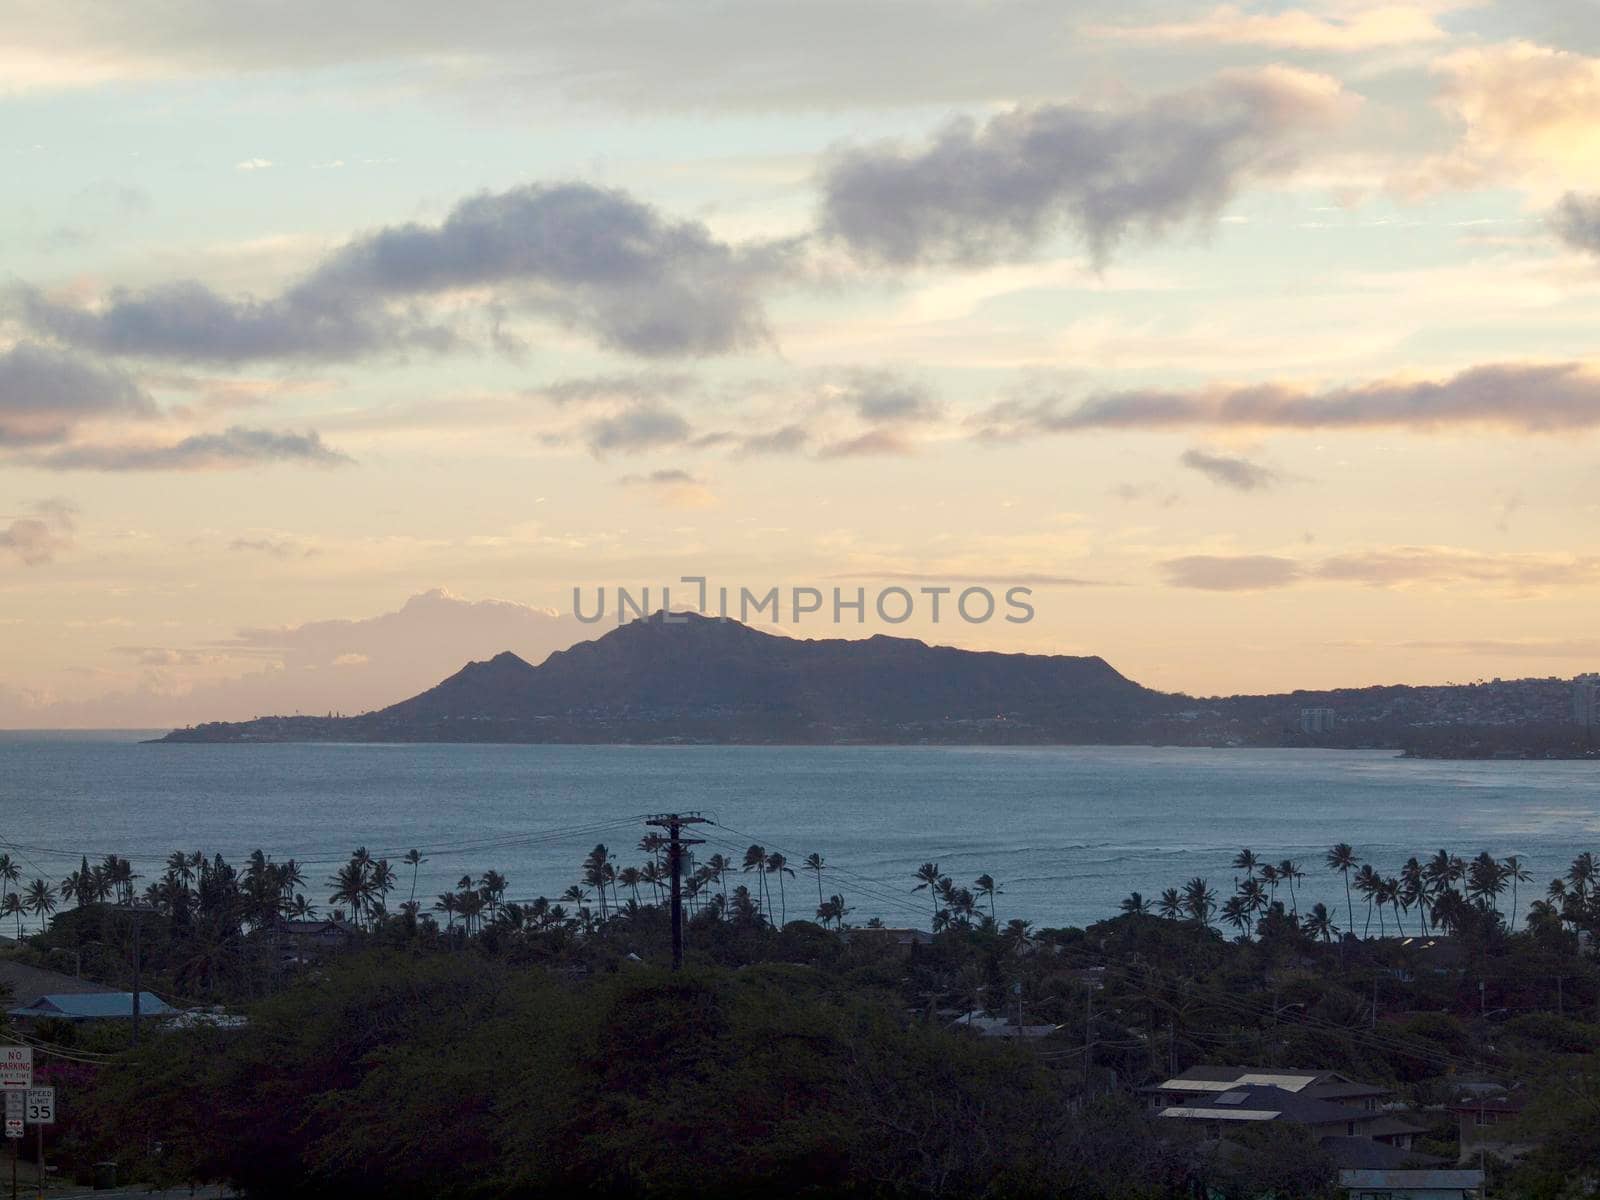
(40, 1108)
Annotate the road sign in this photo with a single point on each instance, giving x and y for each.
(41, 1106)
(13, 1127)
(16, 1067)
(15, 1102)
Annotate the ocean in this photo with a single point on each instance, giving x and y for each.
(1067, 832)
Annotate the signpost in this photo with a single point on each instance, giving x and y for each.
(15, 1102)
(39, 1110)
(16, 1068)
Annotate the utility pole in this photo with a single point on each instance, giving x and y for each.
(673, 823)
(139, 907)
(1088, 1038)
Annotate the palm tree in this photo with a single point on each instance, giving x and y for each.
(1135, 905)
(1236, 914)
(778, 865)
(302, 909)
(1485, 881)
(1581, 875)
(1516, 871)
(11, 906)
(1410, 890)
(1199, 901)
(816, 865)
(1247, 862)
(719, 865)
(10, 874)
(1254, 897)
(631, 878)
(1269, 876)
(492, 887)
(350, 887)
(1367, 883)
(1342, 858)
(413, 859)
(1290, 872)
(755, 859)
(833, 909)
(39, 900)
(928, 873)
(1171, 904)
(986, 886)
(1319, 923)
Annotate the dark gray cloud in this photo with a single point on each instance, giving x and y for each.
(1230, 470)
(38, 538)
(237, 446)
(641, 427)
(45, 394)
(884, 396)
(1523, 397)
(188, 322)
(1576, 221)
(992, 192)
(593, 259)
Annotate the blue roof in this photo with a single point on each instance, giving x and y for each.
(94, 1006)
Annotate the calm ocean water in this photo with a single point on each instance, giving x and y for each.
(1068, 832)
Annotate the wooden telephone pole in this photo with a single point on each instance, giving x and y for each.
(673, 823)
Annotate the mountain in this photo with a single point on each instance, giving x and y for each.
(702, 679)
(696, 678)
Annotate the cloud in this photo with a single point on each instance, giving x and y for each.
(1230, 471)
(1519, 397)
(427, 639)
(1231, 573)
(884, 396)
(640, 427)
(1022, 578)
(37, 539)
(1367, 28)
(1527, 115)
(789, 439)
(45, 394)
(237, 446)
(675, 487)
(253, 164)
(1576, 221)
(592, 259)
(873, 442)
(630, 388)
(982, 194)
(273, 547)
(1396, 566)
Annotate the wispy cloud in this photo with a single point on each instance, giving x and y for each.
(1365, 28)
(237, 446)
(38, 538)
(1521, 397)
(1230, 470)
(1396, 566)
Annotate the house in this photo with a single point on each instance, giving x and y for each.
(1490, 1122)
(25, 984)
(306, 941)
(1362, 1184)
(902, 939)
(92, 1006)
(1343, 1115)
(1202, 1081)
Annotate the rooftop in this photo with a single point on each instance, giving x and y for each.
(95, 1006)
(1365, 1178)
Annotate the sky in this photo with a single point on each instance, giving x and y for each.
(341, 346)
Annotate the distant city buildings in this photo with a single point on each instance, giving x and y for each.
(1316, 720)
(1586, 700)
